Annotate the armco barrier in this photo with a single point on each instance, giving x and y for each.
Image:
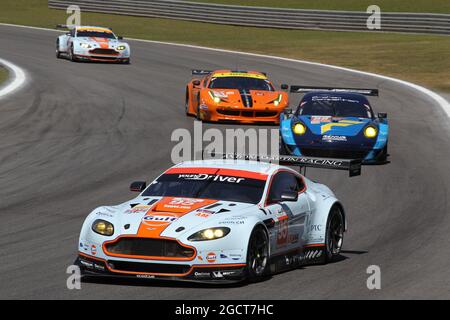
(264, 17)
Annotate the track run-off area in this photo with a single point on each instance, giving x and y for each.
(75, 135)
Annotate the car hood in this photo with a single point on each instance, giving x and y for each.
(348, 126)
(100, 42)
(235, 96)
(154, 217)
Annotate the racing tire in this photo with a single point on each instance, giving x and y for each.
(334, 237)
(71, 55)
(383, 154)
(283, 151)
(58, 53)
(257, 255)
(197, 114)
(186, 102)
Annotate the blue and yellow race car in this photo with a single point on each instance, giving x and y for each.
(335, 123)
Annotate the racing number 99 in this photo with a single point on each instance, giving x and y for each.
(282, 233)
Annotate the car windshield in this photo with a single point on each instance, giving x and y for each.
(207, 186)
(335, 107)
(240, 83)
(96, 34)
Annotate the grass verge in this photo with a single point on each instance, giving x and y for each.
(433, 6)
(422, 59)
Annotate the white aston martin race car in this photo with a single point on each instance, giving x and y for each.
(84, 43)
(218, 221)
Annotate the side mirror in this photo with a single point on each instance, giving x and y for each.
(284, 87)
(289, 196)
(382, 115)
(138, 186)
(119, 38)
(196, 82)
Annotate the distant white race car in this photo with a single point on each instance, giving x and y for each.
(84, 43)
(218, 221)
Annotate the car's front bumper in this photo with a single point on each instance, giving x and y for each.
(109, 55)
(146, 269)
(241, 115)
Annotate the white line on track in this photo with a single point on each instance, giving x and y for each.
(445, 105)
(17, 81)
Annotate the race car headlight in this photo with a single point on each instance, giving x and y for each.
(215, 98)
(277, 101)
(85, 45)
(299, 128)
(121, 47)
(370, 132)
(210, 234)
(103, 227)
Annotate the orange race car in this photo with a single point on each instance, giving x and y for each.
(242, 96)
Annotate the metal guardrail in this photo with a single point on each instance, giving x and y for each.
(264, 17)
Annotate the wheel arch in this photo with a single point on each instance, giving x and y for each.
(319, 219)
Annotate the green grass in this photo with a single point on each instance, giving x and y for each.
(3, 75)
(435, 6)
(422, 59)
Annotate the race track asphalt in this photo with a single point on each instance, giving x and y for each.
(78, 134)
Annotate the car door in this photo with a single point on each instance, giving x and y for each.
(290, 216)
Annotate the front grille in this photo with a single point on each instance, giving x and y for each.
(148, 267)
(146, 247)
(247, 114)
(104, 51)
(333, 153)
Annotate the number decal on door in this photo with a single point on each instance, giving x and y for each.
(283, 230)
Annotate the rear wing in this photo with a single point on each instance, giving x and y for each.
(199, 72)
(353, 166)
(64, 26)
(306, 89)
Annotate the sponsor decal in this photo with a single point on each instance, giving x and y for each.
(316, 227)
(93, 250)
(202, 274)
(211, 257)
(293, 238)
(212, 177)
(104, 214)
(232, 222)
(222, 256)
(320, 119)
(330, 138)
(236, 256)
(159, 219)
(145, 276)
(138, 209)
(204, 213)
